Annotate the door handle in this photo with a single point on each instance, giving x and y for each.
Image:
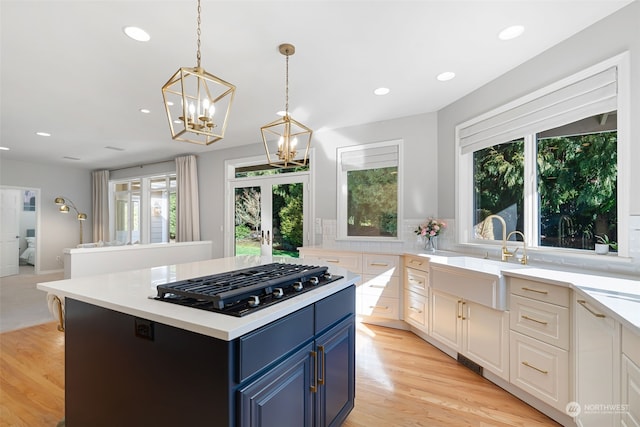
(268, 237)
(322, 365)
(262, 237)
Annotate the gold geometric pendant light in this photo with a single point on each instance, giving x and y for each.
(286, 140)
(197, 103)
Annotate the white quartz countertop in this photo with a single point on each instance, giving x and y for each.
(132, 293)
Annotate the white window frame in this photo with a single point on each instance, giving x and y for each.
(342, 191)
(145, 204)
(464, 162)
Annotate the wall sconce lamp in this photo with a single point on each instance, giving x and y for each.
(65, 205)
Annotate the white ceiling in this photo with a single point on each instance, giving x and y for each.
(68, 69)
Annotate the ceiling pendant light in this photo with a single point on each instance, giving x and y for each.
(197, 103)
(289, 138)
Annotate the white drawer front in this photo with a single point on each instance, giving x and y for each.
(381, 264)
(540, 369)
(388, 308)
(416, 262)
(540, 291)
(415, 310)
(350, 260)
(381, 285)
(416, 280)
(546, 322)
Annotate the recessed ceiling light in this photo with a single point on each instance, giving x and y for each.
(281, 113)
(137, 34)
(381, 91)
(43, 134)
(4, 148)
(169, 103)
(145, 111)
(447, 75)
(511, 32)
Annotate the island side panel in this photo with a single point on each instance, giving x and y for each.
(126, 371)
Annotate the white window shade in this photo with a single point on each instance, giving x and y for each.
(369, 158)
(593, 95)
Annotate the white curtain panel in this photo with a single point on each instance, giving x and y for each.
(100, 205)
(188, 205)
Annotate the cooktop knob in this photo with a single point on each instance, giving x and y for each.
(278, 293)
(327, 275)
(254, 301)
(314, 281)
(297, 286)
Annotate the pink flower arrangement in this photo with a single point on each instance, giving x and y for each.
(431, 227)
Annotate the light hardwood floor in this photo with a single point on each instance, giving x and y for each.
(401, 381)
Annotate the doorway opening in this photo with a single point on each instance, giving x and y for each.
(267, 211)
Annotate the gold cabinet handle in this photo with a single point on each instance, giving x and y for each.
(461, 304)
(314, 386)
(413, 261)
(379, 264)
(584, 304)
(377, 286)
(542, 322)
(412, 280)
(381, 307)
(536, 291)
(333, 260)
(525, 363)
(322, 364)
(417, 310)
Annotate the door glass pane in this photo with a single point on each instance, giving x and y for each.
(247, 220)
(287, 230)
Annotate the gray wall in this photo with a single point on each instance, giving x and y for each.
(57, 231)
(420, 176)
(605, 39)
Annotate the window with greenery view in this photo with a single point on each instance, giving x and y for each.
(575, 184)
(369, 190)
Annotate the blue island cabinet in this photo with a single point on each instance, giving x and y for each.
(127, 371)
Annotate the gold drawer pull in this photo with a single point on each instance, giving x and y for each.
(542, 322)
(412, 280)
(525, 363)
(333, 260)
(379, 264)
(417, 310)
(379, 307)
(536, 291)
(584, 304)
(413, 261)
(378, 286)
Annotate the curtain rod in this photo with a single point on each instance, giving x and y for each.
(150, 164)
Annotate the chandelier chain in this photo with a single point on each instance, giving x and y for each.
(286, 105)
(198, 32)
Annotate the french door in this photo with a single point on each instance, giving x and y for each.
(269, 215)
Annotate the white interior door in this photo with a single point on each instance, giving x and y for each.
(10, 205)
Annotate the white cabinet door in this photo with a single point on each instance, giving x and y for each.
(446, 325)
(486, 338)
(630, 393)
(597, 364)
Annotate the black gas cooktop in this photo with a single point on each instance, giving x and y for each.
(240, 292)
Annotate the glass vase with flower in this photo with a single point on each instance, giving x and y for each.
(429, 230)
